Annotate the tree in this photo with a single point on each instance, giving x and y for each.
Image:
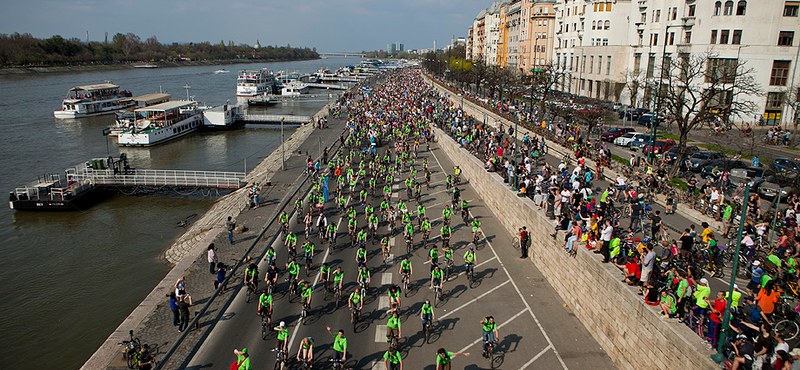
(703, 88)
(543, 79)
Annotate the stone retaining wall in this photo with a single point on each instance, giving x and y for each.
(630, 331)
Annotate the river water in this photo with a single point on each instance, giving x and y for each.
(69, 279)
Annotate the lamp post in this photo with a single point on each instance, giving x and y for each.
(458, 75)
(476, 78)
(516, 118)
(502, 81)
(719, 356)
(656, 115)
(283, 156)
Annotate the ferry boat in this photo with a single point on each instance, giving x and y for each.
(162, 122)
(126, 117)
(94, 100)
(253, 83)
(294, 89)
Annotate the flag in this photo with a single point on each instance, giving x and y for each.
(325, 188)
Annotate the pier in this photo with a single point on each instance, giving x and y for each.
(247, 117)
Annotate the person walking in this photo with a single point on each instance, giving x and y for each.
(524, 241)
(212, 258)
(184, 302)
(173, 305)
(230, 225)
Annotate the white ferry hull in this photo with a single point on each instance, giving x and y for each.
(161, 135)
(248, 91)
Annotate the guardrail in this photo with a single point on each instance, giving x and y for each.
(211, 179)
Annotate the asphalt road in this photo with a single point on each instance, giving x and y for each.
(536, 330)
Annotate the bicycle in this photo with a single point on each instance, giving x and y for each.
(337, 295)
(409, 245)
(470, 273)
(447, 269)
(489, 354)
(355, 313)
(789, 328)
(426, 328)
(515, 242)
(129, 350)
(393, 342)
(437, 295)
(309, 265)
(305, 310)
(251, 290)
(292, 287)
(406, 278)
(265, 322)
(697, 324)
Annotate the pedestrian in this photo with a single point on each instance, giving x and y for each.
(524, 241)
(212, 258)
(221, 272)
(605, 238)
(180, 286)
(230, 224)
(173, 305)
(184, 302)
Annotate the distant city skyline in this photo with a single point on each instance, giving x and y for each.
(339, 26)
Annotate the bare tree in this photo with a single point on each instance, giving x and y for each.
(703, 88)
(633, 83)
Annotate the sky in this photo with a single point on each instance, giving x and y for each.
(328, 25)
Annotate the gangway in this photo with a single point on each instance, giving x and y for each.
(157, 178)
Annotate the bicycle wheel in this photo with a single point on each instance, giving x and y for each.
(131, 358)
(263, 331)
(427, 332)
(249, 293)
(491, 357)
(515, 242)
(278, 365)
(788, 328)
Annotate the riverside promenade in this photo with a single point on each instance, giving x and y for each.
(152, 320)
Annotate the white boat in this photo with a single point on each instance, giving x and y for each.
(147, 66)
(253, 83)
(220, 117)
(161, 122)
(294, 89)
(221, 71)
(94, 100)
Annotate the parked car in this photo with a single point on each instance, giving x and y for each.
(642, 141)
(769, 186)
(785, 165)
(672, 154)
(746, 175)
(721, 165)
(698, 160)
(625, 140)
(615, 132)
(647, 118)
(617, 106)
(632, 114)
(661, 146)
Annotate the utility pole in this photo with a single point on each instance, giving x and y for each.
(283, 155)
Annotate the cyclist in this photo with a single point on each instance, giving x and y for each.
(294, 269)
(393, 327)
(305, 292)
(409, 232)
(436, 279)
(251, 276)
(325, 275)
(361, 256)
(306, 349)
(362, 238)
(445, 230)
(363, 278)
(373, 224)
(291, 243)
(449, 182)
(446, 213)
(443, 358)
(464, 209)
(421, 213)
(447, 253)
(469, 258)
(338, 277)
(270, 256)
(356, 300)
(385, 247)
(339, 345)
(405, 270)
(144, 359)
(271, 277)
(456, 196)
(476, 229)
(308, 249)
(394, 297)
(392, 360)
(457, 172)
(433, 257)
(427, 312)
(265, 305)
(332, 232)
(489, 332)
(426, 228)
(242, 359)
(284, 220)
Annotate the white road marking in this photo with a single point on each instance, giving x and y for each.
(474, 300)
(386, 278)
(380, 333)
(383, 303)
(535, 357)
(527, 306)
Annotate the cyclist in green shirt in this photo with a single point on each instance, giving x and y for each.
(405, 268)
(338, 277)
(352, 225)
(421, 213)
(356, 300)
(406, 218)
(409, 231)
(325, 275)
(426, 227)
(308, 249)
(270, 256)
(443, 358)
(293, 269)
(490, 333)
(291, 242)
(251, 276)
(265, 304)
(445, 230)
(393, 326)
(339, 345)
(476, 229)
(433, 256)
(436, 278)
(427, 312)
(446, 213)
(242, 359)
(392, 360)
(331, 231)
(361, 256)
(284, 220)
(469, 258)
(394, 297)
(369, 210)
(280, 344)
(305, 292)
(363, 277)
(362, 238)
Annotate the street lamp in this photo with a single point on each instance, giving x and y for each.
(516, 117)
(502, 81)
(656, 115)
(458, 75)
(283, 156)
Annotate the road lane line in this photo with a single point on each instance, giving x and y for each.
(535, 358)
(383, 303)
(498, 328)
(380, 333)
(386, 278)
(474, 300)
(539, 324)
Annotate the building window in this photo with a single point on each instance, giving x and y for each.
(608, 7)
(608, 66)
(741, 7)
(672, 38)
(717, 8)
(728, 8)
(594, 25)
(658, 15)
(595, 6)
(713, 37)
(780, 71)
(774, 100)
(723, 36)
(691, 10)
(737, 37)
(655, 39)
(605, 42)
(790, 10)
(785, 38)
(606, 25)
(644, 18)
(721, 70)
(637, 61)
(591, 63)
(583, 65)
(599, 64)
(674, 13)
(651, 64)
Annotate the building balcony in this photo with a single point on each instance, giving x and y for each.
(642, 3)
(688, 21)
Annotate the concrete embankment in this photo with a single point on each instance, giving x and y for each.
(630, 331)
(152, 319)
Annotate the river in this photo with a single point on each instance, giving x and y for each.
(69, 279)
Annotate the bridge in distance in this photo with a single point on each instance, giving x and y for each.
(357, 55)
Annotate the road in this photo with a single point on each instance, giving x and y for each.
(536, 330)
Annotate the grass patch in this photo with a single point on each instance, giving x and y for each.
(673, 136)
(725, 150)
(678, 183)
(792, 148)
(619, 159)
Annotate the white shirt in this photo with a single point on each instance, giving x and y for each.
(714, 195)
(605, 235)
(620, 181)
(212, 256)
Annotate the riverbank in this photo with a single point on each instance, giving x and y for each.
(113, 67)
(152, 319)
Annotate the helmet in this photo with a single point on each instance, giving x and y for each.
(427, 301)
(741, 337)
(440, 351)
(283, 324)
(252, 266)
(646, 240)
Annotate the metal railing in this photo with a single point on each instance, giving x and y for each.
(211, 179)
(274, 118)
